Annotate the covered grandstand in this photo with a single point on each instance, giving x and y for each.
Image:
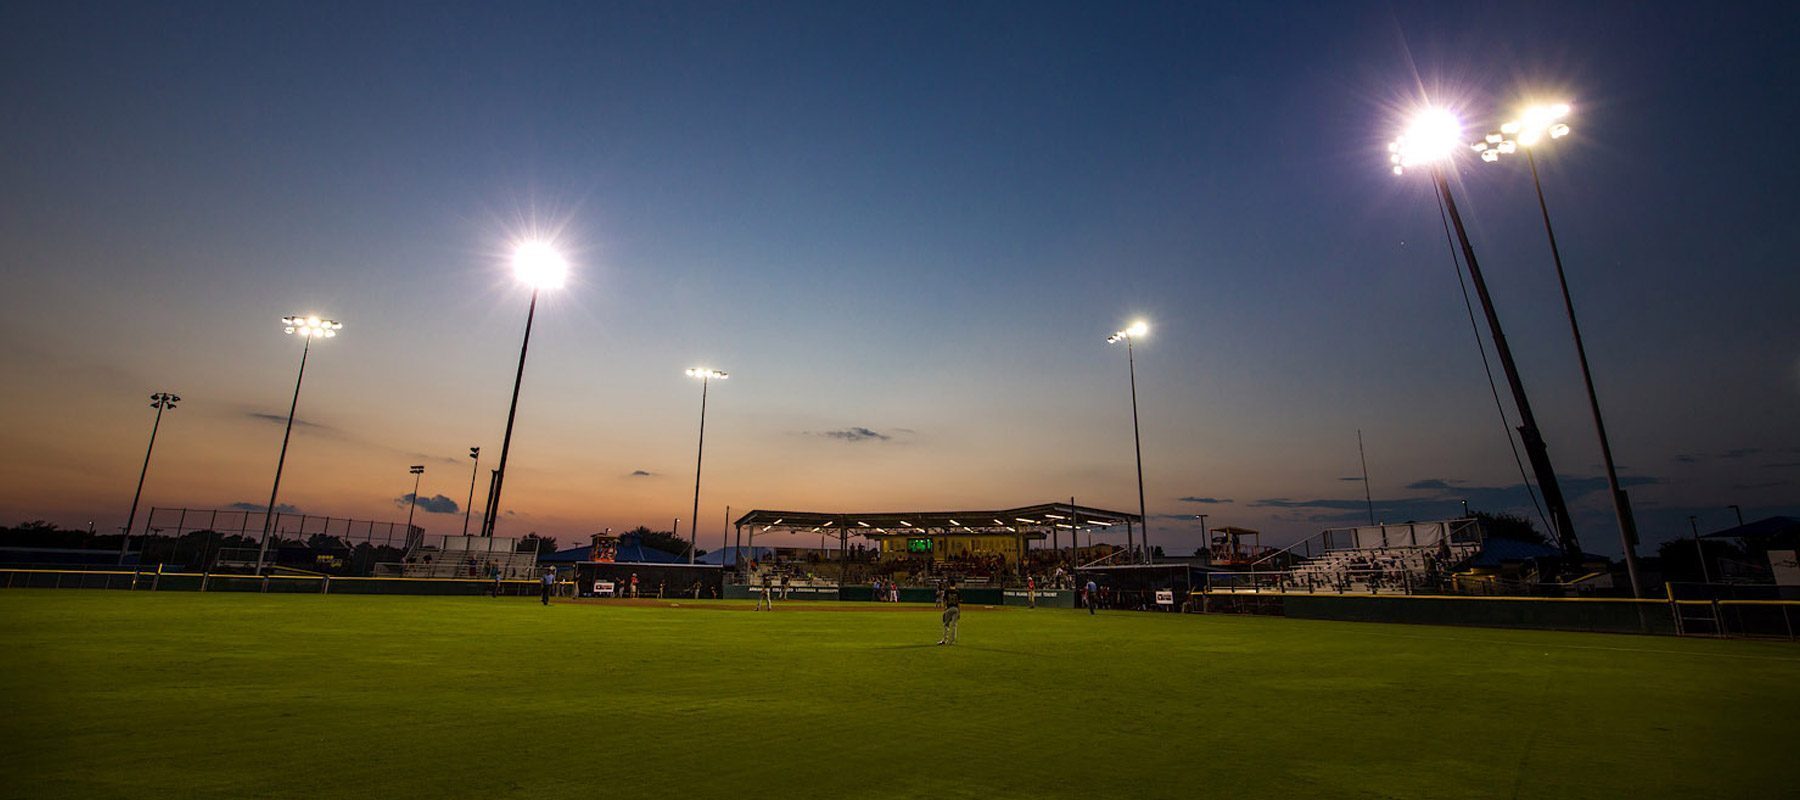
(997, 545)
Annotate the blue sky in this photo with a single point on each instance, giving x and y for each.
(914, 220)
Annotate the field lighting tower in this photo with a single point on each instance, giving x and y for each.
(706, 376)
(1432, 139)
(418, 473)
(307, 328)
(538, 265)
(1135, 330)
(158, 401)
(1534, 126)
(469, 507)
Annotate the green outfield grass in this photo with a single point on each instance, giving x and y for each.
(110, 694)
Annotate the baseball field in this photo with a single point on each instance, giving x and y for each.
(221, 695)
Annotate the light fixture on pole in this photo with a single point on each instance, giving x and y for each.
(158, 401)
(1433, 138)
(538, 265)
(706, 376)
(1534, 126)
(1128, 335)
(469, 507)
(418, 473)
(307, 328)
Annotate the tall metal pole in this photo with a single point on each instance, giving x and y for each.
(161, 400)
(418, 475)
(1621, 504)
(699, 456)
(1694, 525)
(262, 550)
(1367, 497)
(1138, 447)
(1528, 430)
(469, 507)
(493, 512)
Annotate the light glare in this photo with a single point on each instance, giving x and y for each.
(538, 265)
(1434, 135)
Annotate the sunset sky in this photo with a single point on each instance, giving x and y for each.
(905, 229)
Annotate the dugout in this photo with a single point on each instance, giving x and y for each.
(676, 579)
(1137, 586)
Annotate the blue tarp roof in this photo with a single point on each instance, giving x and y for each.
(727, 555)
(1495, 552)
(630, 552)
(1760, 529)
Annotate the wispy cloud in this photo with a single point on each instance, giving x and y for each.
(639, 473)
(1206, 500)
(280, 508)
(437, 504)
(1440, 498)
(281, 419)
(857, 434)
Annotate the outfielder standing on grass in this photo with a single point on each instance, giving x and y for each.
(952, 612)
(548, 582)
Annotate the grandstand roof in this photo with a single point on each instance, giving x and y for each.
(1011, 520)
(1760, 529)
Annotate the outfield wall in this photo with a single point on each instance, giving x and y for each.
(1716, 617)
(1566, 614)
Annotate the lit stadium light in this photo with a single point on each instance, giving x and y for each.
(538, 265)
(310, 327)
(863, 524)
(1132, 333)
(1537, 122)
(1135, 330)
(1056, 516)
(1534, 124)
(706, 375)
(1433, 135)
(1027, 521)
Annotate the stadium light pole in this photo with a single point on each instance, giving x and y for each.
(307, 328)
(469, 507)
(1694, 525)
(1432, 139)
(1135, 330)
(705, 375)
(158, 401)
(418, 473)
(1534, 126)
(538, 265)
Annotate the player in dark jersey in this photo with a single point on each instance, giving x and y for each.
(952, 612)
